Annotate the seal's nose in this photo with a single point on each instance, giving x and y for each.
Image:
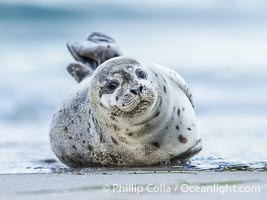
(137, 90)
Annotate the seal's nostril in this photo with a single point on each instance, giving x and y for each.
(141, 89)
(134, 91)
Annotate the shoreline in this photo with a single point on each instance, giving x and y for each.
(108, 184)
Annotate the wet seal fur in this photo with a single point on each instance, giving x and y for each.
(126, 113)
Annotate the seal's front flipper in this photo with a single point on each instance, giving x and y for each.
(185, 156)
(79, 71)
(97, 49)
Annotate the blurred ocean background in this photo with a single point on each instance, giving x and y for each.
(218, 46)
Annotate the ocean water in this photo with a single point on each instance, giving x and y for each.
(219, 48)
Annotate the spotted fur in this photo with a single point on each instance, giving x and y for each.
(143, 121)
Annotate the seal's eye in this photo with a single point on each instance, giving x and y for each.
(112, 84)
(141, 74)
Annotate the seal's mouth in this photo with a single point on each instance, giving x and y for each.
(141, 107)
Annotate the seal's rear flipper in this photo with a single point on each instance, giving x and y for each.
(79, 71)
(89, 62)
(100, 37)
(97, 49)
(185, 156)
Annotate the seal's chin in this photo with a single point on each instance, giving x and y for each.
(142, 106)
(133, 110)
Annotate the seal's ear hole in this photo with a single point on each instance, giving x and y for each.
(141, 74)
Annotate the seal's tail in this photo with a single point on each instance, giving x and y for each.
(89, 54)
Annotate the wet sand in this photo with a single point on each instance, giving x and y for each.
(135, 184)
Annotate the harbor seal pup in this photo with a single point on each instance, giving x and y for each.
(126, 113)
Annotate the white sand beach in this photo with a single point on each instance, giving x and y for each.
(135, 184)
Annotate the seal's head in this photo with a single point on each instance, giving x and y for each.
(123, 87)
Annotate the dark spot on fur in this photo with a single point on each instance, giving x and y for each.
(88, 130)
(115, 127)
(90, 147)
(114, 114)
(72, 121)
(101, 138)
(101, 105)
(108, 46)
(114, 140)
(160, 101)
(115, 158)
(89, 111)
(155, 144)
(74, 147)
(183, 109)
(174, 108)
(117, 98)
(156, 74)
(157, 114)
(66, 129)
(70, 137)
(89, 125)
(79, 156)
(60, 111)
(166, 127)
(147, 125)
(130, 134)
(113, 118)
(189, 129)
(182, 139)
(163, 79)
(177, 127)
(178, 112)
(164, 88)
(75, 107)
(84, 141)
